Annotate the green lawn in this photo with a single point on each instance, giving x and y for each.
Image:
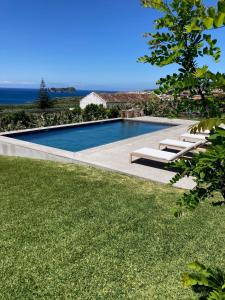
(73, 232)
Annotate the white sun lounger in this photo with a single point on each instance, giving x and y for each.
(174, 144)
(190, 137)
(162, 156)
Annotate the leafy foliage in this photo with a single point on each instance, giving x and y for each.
(162, 107)
(23, 120)
(207, 124)
(17, 120)
(173, 43)
(113, 112)
(208, 170)
(213, 17)
(94, 112)
(208, 283)
(174, 107)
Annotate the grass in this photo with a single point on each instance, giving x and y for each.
(74, 232)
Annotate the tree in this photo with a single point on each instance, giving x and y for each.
(174, 44)
(44, 100)
(182, 43)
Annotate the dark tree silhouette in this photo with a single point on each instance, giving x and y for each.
(44, 100)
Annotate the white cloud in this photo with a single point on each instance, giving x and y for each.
(17, 83)
(6, 82)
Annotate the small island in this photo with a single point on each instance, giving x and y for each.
(62, 90)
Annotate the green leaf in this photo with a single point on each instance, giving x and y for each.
(193, 26)
(187, 280)
(196, 266)
(200, 72)
(208, 22)
(216, 295)
(211, 12)
(219, 19)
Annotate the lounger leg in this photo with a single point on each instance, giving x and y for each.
(162, 147)
(130, 158)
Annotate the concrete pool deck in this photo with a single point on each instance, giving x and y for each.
(113, 156)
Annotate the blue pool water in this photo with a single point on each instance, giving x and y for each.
(87, 136)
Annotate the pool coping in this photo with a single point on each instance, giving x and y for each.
(13, 147)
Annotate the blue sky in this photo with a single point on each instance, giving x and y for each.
(88, 44)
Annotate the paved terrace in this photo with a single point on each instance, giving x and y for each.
(115, 156)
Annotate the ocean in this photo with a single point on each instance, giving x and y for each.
(23, 96)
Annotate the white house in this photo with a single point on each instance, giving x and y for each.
(115, 99)
(92, 98)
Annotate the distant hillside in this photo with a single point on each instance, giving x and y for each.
(62, 90)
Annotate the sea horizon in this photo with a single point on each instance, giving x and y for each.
(22, 95)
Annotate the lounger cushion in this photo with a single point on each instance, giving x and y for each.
(176, 143)
(194, 136)
(154, 153)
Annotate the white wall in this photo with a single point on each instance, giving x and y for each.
(91, 99)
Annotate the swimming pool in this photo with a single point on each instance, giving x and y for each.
(84, 136)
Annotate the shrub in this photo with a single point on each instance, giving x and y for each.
(58, 118)
(94, 112)
(182, 107)
(17, 120)
(208, 283)
(208, 170)
(189, 107)
(162, 107)
(23, 120)
(113, 112)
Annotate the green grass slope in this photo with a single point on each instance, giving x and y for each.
(74, 232)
